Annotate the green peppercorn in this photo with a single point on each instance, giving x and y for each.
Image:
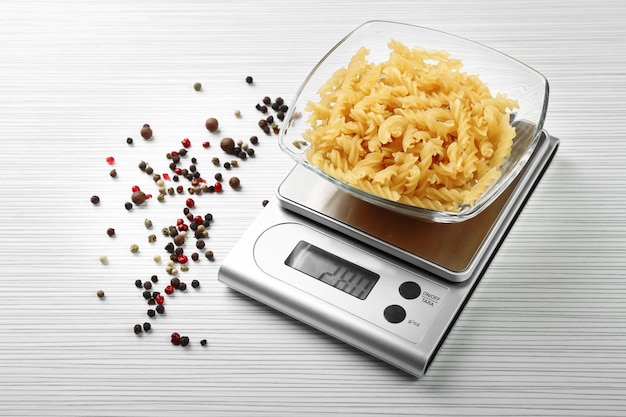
(197, 86)
(134, 248)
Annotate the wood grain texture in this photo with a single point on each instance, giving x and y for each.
(543, 335)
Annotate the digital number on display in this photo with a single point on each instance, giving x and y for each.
(332, 270)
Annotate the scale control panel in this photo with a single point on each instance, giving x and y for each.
(354, 280)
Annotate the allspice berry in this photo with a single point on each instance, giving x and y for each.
(138, 197)
(146, 131)
(227, 145)
(179, 239)
(234, 183)
(211, 124)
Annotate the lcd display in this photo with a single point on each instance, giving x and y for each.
(332, 270)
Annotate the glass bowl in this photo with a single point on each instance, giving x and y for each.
(500, 73)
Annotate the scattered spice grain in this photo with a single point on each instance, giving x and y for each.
(211, 124)
(146, 131)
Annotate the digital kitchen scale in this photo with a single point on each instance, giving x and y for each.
(388, 284)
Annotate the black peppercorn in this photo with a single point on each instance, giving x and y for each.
(151, 312)
(160, 309)
(195, 283)
(147, 295)
(129, 141)
(138, 283)
(254, 140)
(154, 278)
(128, 205)
(249, 79)
(147, 326)
(137, 329)
(95, 199)
(111, 232)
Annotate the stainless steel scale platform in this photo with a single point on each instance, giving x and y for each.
(388, 284)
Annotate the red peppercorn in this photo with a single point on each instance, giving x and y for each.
(169, 290)
(175, 338)
(198, 220)
(218, 187)
(190, 203)
(182, 258)
(159, 299)
(186, 142)
(206, 144)
(179, 222)
(110, 160)
(183, 227)
(135, 188)
(166, 176)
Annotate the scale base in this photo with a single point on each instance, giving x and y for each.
(258, 267)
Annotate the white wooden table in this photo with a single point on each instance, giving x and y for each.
(543, 335)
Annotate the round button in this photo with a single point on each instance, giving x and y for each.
(410, 290)
(395, 313)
